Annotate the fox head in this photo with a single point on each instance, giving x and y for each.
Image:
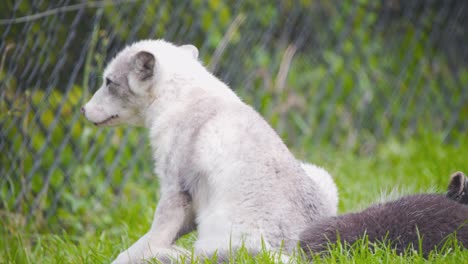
(458, 188)
(132, 81)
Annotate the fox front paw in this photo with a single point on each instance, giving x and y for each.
(159, 255)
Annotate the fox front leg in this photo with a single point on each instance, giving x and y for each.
(173, 218)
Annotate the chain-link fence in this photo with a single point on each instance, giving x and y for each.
(341, 73)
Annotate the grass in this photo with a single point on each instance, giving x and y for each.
(422, 164)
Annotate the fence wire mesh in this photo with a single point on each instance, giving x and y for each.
(342, 73)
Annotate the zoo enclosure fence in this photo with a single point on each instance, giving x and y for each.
(341, 73)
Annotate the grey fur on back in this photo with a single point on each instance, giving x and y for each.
(401, 222)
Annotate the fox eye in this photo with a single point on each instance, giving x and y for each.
(108, 81)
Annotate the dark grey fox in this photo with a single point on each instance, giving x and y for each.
(429, 218)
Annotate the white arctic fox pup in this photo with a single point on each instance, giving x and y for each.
(222, 169)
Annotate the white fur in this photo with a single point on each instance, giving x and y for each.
(327, 186)
(222, 169)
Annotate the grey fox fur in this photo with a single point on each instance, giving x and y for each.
(430, 218)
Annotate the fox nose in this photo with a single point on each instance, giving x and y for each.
(82, 110)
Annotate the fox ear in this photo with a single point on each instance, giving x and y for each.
(191, 49)
(143, 65)
(457, 183)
